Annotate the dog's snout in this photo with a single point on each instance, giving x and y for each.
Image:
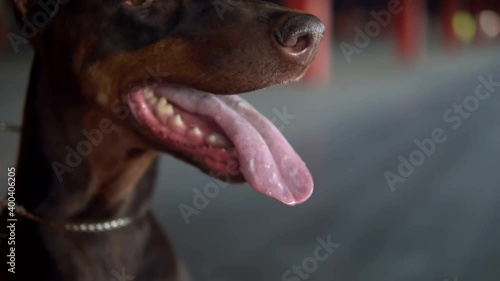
(298, 37)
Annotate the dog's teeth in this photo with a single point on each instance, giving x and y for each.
(178, 121)
(149, 93)
(196, 135)
(217, 140)
(164, 108)
(196, 132)
(150, 96)
(162, 102)
(153, 100)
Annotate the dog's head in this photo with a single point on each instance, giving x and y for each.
(176, 64)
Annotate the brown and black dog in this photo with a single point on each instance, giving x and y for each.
(113, 83)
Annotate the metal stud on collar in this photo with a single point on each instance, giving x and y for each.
(99, 227)
(104, 226)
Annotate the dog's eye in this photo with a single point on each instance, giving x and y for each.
(138, 3)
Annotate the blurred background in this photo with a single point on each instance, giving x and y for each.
(389, 74)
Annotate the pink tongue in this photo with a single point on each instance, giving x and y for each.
(267, 161)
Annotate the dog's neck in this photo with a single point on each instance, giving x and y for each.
(65, 175)
(114, 181)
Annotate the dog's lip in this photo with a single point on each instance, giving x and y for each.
(265, 158)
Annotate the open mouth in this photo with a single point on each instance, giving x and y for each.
(226, 135)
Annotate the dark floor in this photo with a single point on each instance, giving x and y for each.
(441, 223)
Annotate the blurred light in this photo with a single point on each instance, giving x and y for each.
(465, 26)
(490, 23)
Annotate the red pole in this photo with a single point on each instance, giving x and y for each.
(411, 29)
(448, 10)
(321, 69)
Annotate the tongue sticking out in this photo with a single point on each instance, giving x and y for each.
(267, 161)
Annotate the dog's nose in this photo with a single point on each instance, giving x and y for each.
(298, 37)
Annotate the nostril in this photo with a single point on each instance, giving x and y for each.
(302, 43)
(299, 34)
(296, 44)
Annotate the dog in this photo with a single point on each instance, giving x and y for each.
(114, 83)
